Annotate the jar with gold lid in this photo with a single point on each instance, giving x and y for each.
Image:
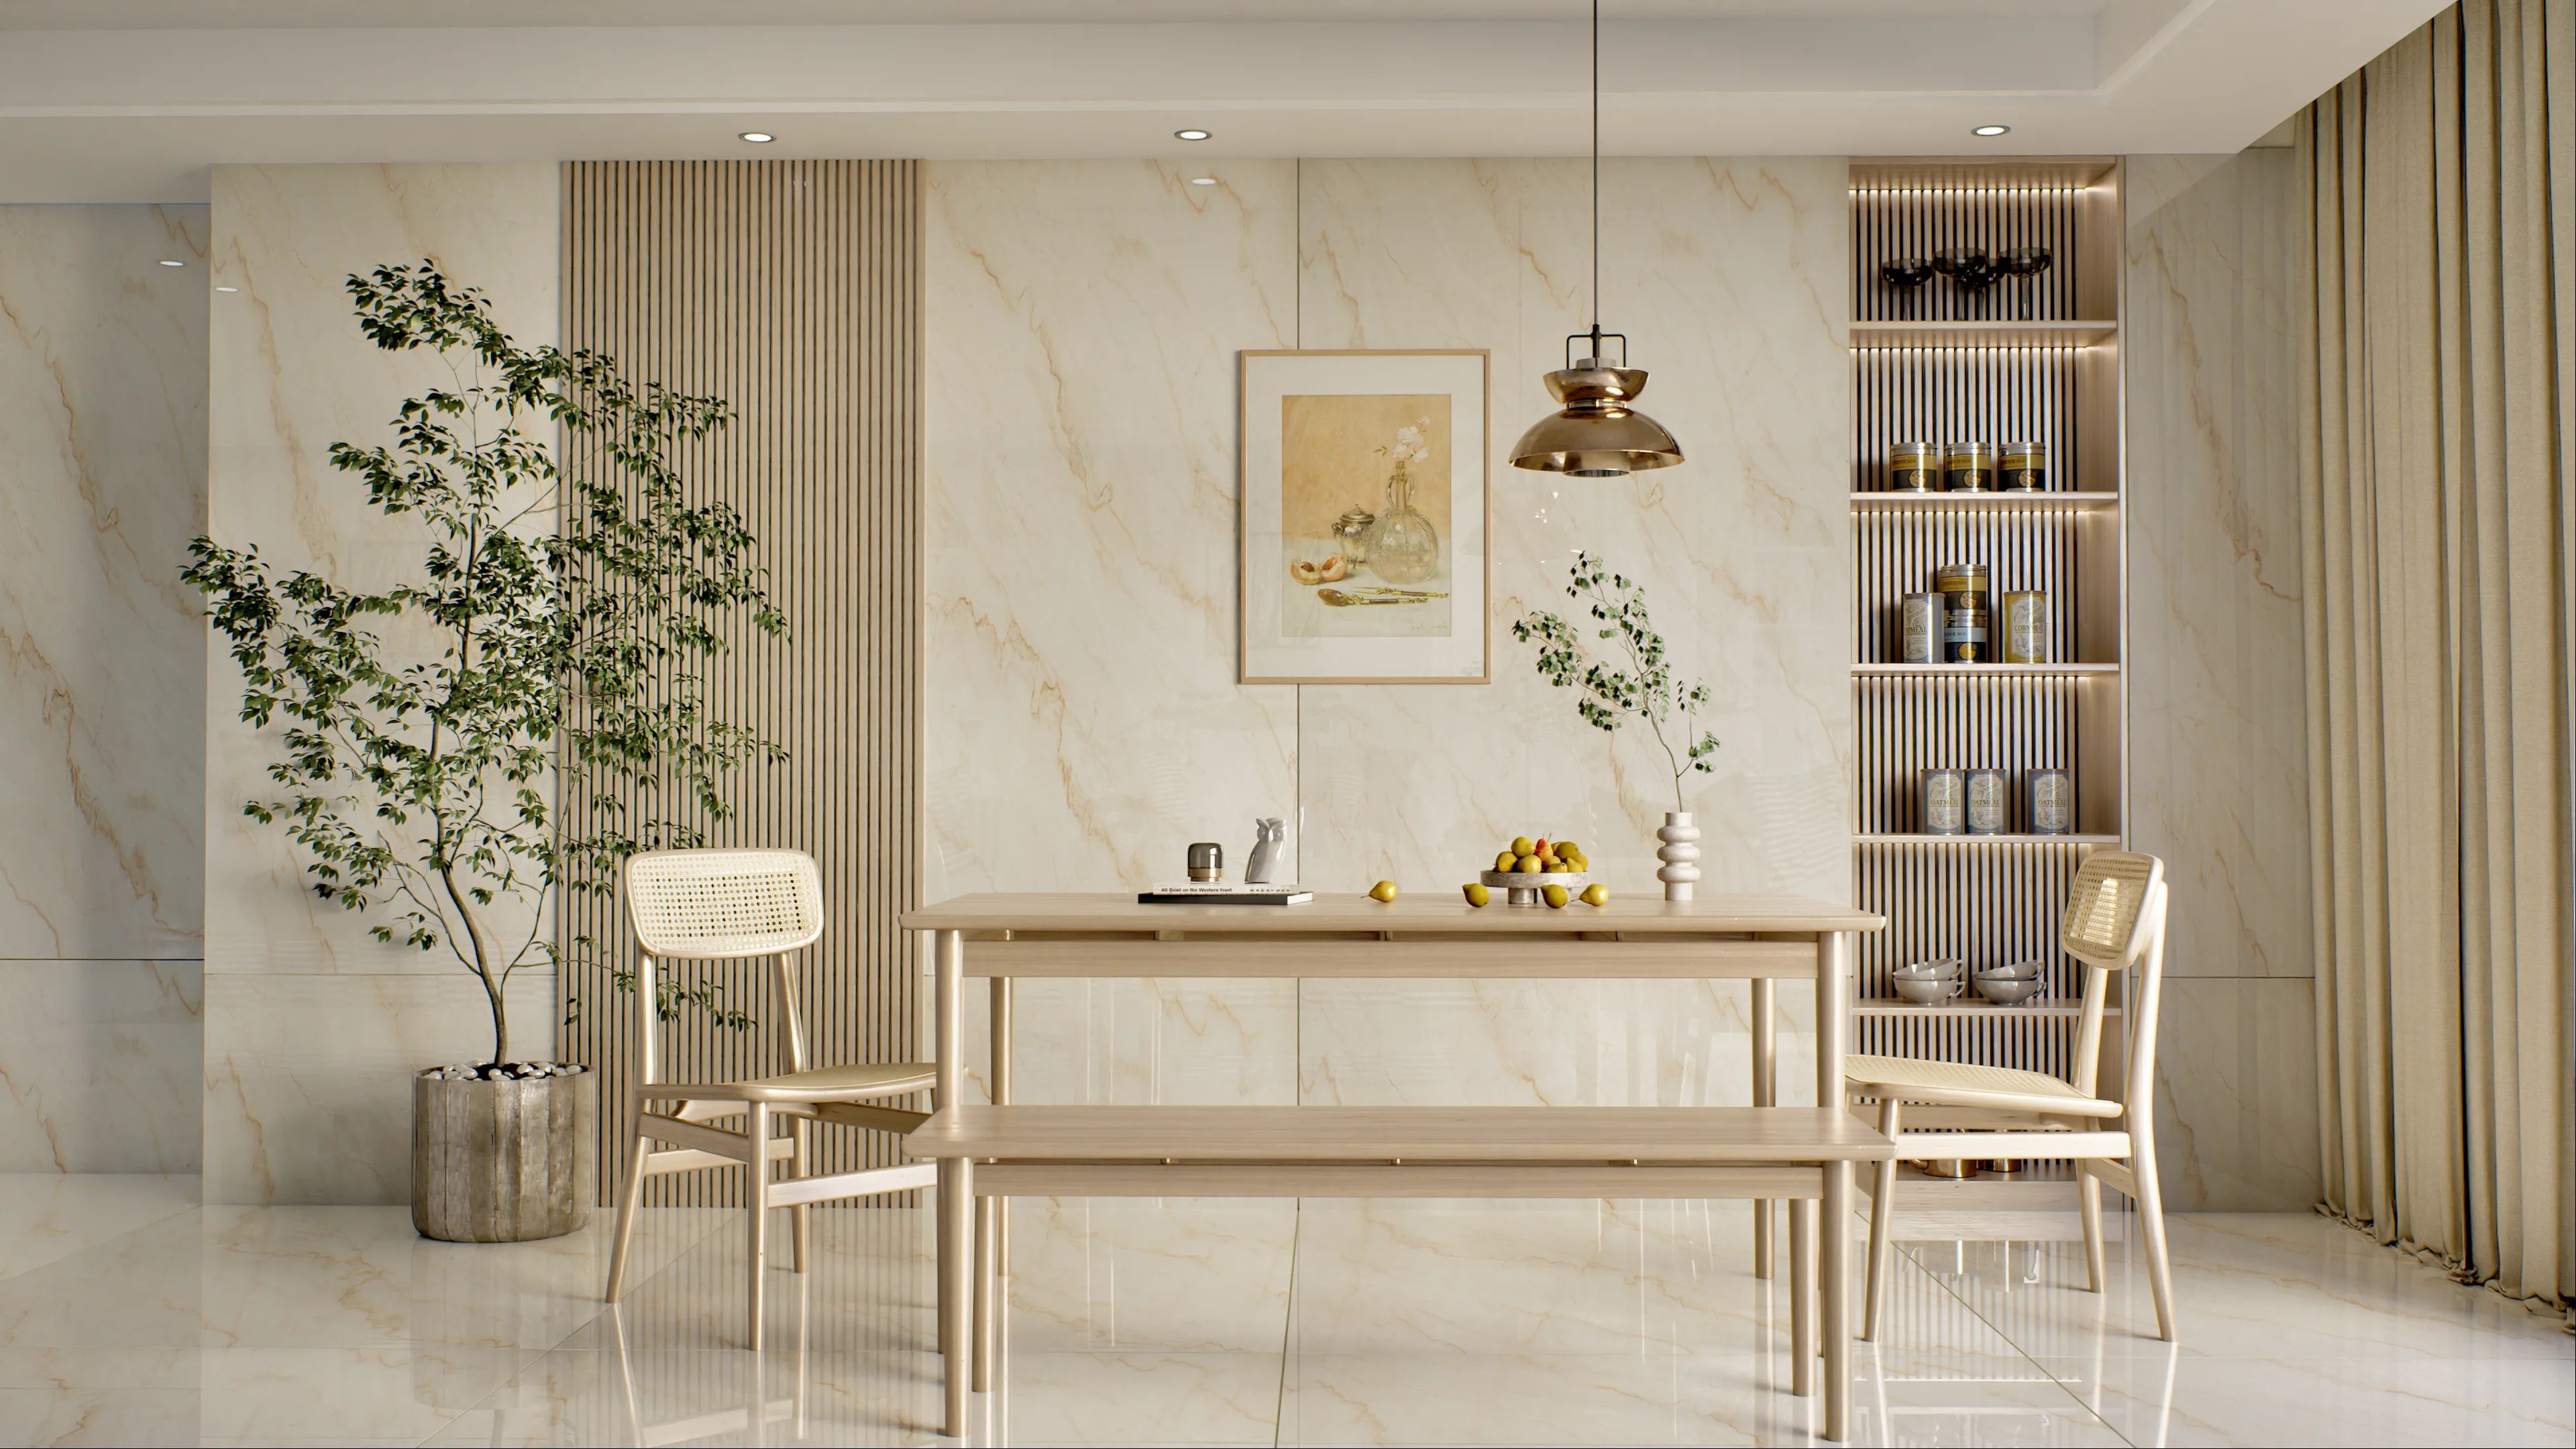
(1969, 468)
(2025, 467)
(1913, 467)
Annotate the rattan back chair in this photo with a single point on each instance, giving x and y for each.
(2114, 922)
(732, 905)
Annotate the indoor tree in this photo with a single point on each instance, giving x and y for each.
(1612, 692)
(557, 619)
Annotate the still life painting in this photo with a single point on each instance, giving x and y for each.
(1364, 517)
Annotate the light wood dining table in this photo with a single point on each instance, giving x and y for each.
(1806, 1154)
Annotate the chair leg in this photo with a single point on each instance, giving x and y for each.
(2151, 1225)
(1882, 1215)
(802, 1228)
(630, 1195)
(756, 1201)
(2088, 1211)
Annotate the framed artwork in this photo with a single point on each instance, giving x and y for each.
(1364, 518)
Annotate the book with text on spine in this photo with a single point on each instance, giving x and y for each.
(1222, 893)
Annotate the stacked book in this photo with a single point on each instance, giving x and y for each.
(1223, 893)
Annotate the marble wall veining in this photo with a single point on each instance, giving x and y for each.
(1081, 469)
(312, 1029)
(102, 484)
(2217, 708)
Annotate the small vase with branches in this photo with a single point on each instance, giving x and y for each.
(1636, 682)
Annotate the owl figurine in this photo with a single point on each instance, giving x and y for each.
(1267, 846)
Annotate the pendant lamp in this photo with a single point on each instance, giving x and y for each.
(1596, 434)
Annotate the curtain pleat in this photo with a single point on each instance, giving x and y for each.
(2434, 470)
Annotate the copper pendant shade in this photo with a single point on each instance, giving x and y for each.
(1596, 434)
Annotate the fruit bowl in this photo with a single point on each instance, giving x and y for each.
(1523, 886)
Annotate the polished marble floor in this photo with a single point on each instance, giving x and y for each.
(129, 1315)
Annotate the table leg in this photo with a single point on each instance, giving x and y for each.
(1004, 993)
(1802, 1295)
(1833, 1245)
(1833, 1008)
(1766, 1093)
(956, 1223)
(987, 1214)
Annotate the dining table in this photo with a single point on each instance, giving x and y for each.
(990, 1151)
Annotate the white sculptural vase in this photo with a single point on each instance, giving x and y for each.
(1680, 855)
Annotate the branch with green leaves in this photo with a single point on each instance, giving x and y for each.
(567, 622)
(1636, 683)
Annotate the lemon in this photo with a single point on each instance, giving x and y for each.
(1384, 890)
(1596, 894)
(1521, 846)
(1555, 896)
(1477, 895)
(1528, 865)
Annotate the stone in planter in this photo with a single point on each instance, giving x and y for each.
(504, 1161)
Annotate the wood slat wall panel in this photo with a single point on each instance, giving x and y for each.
(791, 289)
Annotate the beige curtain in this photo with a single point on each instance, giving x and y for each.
(2436, 393)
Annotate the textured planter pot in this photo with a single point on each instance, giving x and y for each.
(1680, 855)
(505, 1161)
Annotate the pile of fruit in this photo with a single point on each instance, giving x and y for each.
(1543, 857)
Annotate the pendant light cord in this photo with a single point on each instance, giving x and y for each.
(1596, 179)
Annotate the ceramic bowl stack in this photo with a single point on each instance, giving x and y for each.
(1928, 983)
(2010, 985)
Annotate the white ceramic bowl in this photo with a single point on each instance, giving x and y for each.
(1926, 990)
(2017, 971)
(2003, 991)
(1947, 969)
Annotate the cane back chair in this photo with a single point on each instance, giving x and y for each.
(2115, 921)
(732, 905)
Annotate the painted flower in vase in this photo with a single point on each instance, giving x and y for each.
(1403, 547)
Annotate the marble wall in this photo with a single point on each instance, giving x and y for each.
(2217, 705)
(102, 483)
(1081, 387)
(311, 1028)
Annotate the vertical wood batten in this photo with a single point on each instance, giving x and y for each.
(787, 288)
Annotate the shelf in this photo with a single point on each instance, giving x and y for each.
(1867, 336)
(1982, 502)
(2009, 671)
(1985, 840)
(1897, 1006)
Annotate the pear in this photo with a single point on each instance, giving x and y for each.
(1568, 850)
(1529, 865)
(1384, 890)
(1477, 895)
(1555, 896)
(1521, 846)
(1596, 894)
(1506, 861)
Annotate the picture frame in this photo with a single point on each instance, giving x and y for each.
(1365, 516)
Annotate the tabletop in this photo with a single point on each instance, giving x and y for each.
(1444, 914)
(1428, 1134)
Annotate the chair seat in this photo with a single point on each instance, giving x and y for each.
(822, 1084)
(1961, 1084)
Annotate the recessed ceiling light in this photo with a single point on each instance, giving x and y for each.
(1203, 181)
(1192, 134)
(228, 289)
(1989, 129)
(758, 137)
(168, 263)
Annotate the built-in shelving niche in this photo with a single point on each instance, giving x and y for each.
(2019, 361)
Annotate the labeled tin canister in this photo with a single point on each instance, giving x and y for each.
(2025, 468)
(1961, 579)
(1986, 814)
(2051, 798)
(1945, 802)
(1924, 616)
(1913, 467)
(1963, 638)
(1969, 468)
(2026, 629)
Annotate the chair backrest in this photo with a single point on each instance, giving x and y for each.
(2115, 920)
(2106, 906)
(713, 905)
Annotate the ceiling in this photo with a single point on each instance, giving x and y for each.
(131, 100)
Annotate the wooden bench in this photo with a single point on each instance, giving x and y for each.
(1542, 1152)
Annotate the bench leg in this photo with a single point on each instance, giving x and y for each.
(956, 1286)
(1833, 1245)
(1802, 1296)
